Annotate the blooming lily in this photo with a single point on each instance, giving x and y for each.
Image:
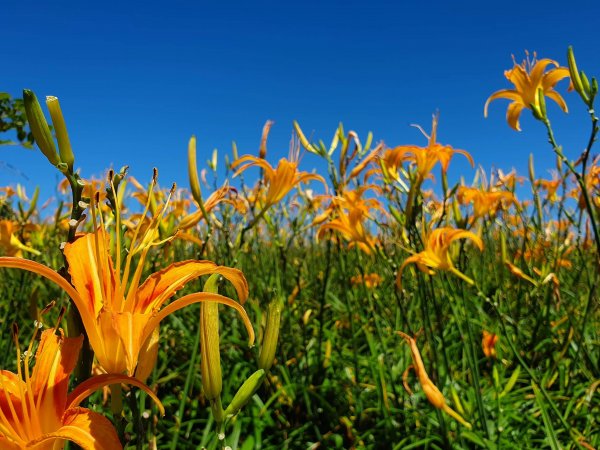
(425, 158)
(119, 318)
(280, 180)
(484, 202)
(436, 254)
(120, 314)
(9, 243)
(530, 81)
(35, 410)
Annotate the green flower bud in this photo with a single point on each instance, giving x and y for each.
(39, 127)
(271, 335)
(60, 128)
(585, 82)
(209, 343)
(193, 171)
(245, 393)
(307, 145)
(576, 77)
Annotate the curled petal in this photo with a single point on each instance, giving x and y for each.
(162, 285)
(197, 298)
(91, 385)
(87, 429)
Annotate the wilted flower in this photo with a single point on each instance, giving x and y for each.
(433, 394)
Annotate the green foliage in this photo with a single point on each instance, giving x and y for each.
(13, 118)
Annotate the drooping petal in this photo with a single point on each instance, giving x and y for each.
(88, 429)
(91, 385)
(512, 115)
(558, 99)
(161, 285)
(46, 272)
(197, 298)
(254, 161)
(509, 94)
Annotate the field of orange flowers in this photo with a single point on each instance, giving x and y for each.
(363, 308)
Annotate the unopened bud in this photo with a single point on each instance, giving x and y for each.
(209, 343)
(575, 76)
(60, 128)
(39, 127)
(539, 107)
(585, 82)
(193, 171)
(307, 145)
(262, 151)
(245, 393)
(271, 335)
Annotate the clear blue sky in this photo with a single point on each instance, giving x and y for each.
(135, 80)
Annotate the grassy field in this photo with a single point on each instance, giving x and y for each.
(390, 312)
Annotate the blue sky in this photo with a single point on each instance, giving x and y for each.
(136, 79)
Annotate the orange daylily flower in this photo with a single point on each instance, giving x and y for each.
(433, 394)
(35, 410)
(218, 196)
(9, 243)
(529, 78)
(436, 254)
(350, 211)
(488, 343)
(484, 202)
(370, 280)
(350, 225)
(551, 188)
(280, 180)
(119, 313)
(425, 158)
(509, 180)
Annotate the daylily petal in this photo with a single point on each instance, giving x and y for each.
(554, 76)
(197, 298)
(509, 94)
(162, 285)
(91, 385)
(88, 429)
(94, 280)
(519, 77)
(558, 99)
(148, 356)
(537, 72)
(87, 315)
(512, 115)
(55, 360)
